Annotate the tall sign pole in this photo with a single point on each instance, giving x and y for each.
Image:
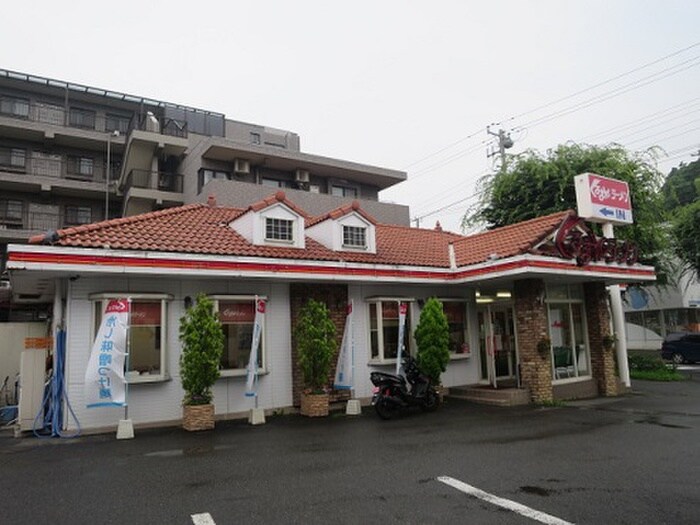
(608, 201)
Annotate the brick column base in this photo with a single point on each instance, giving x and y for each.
(531, 327)
(602, 359)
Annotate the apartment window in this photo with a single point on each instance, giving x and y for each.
(354, 237)
(384, 329)
(275, 183)
(456, 313)
(81, 166)
(81, 118)
(15, 158)
(279, 229)
(76, 215)
(206, 175)
(343, 191)
(567, 332)
(237, 316)
(11, 211)
(254, 138)
(16, 107)
(147, 343)
(117, 123)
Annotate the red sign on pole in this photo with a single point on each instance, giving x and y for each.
(601, 199)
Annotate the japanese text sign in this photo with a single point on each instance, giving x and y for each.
(601, 199)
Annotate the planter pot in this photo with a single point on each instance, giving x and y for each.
(314, 405)
(198, 417)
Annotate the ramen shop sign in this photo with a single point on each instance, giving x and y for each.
(601, 199)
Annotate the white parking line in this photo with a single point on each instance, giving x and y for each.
(502, 502)
(202, 519)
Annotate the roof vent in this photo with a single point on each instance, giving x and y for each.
(211, 201)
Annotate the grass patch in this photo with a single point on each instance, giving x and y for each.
(657, 375)
(652, 369)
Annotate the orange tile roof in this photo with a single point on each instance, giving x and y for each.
(342, 211)
(507, 241)
(204, 229)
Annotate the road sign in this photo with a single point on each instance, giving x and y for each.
(601, 199)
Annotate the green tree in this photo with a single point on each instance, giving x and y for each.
(682, 186)
(433, 340)
(202, 340)
(686, 233)
(533, 185)
(316, 344)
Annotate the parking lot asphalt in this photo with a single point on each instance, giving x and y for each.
(633, 459)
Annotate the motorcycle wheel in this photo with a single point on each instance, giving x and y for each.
(432, 401)
(384, 409)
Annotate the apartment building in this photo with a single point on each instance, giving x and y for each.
(72, 154)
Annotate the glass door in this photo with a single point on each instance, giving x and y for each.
(497, 343)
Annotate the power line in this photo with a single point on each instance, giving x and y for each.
(622, 75)
(463, 139)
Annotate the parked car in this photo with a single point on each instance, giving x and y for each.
(681, 347)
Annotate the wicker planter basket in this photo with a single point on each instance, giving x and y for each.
(198, 417)
(314, 405)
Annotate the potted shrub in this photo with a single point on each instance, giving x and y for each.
(432, 337)
(316, 345)
(202, 345)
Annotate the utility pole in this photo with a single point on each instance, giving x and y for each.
(504, 143)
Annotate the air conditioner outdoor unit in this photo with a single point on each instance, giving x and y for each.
(302, 176)
(241, 166)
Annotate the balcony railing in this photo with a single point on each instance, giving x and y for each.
(45, 221)
(15, 160)
(154, 180)
(162, 125)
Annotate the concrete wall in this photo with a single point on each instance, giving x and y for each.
(241, 194)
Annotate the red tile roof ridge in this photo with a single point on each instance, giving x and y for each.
(555, 218)
(445, 233)
(342, 211)
(84, 228)
(280, 197)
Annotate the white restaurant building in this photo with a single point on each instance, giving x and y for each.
(505, 293)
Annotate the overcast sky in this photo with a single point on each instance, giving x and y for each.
(393, 83)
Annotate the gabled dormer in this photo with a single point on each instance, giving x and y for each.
(347, 228)
(274, 221)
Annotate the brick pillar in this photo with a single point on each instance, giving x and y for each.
(598, 317)
(531, 327)
(335, 297)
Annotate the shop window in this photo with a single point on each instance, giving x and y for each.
(567, 331)
(354, 237)
(237, 316)
(456, 313)
(384, 329)
(147, 329)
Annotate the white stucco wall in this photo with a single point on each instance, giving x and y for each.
(161, 402)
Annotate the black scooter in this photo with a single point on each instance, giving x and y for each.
(393, 393)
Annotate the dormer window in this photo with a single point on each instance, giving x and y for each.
(279, 229)
(354, 237)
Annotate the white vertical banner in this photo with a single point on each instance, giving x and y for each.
(403, 308)
(344, 372)
(252, 368)
(105, 384)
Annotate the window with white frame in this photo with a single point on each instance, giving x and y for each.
(354, 237)
(237, 316)
(456, 313)
(384, 328)
(147, 329)
(567, 332)
(279, 229)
